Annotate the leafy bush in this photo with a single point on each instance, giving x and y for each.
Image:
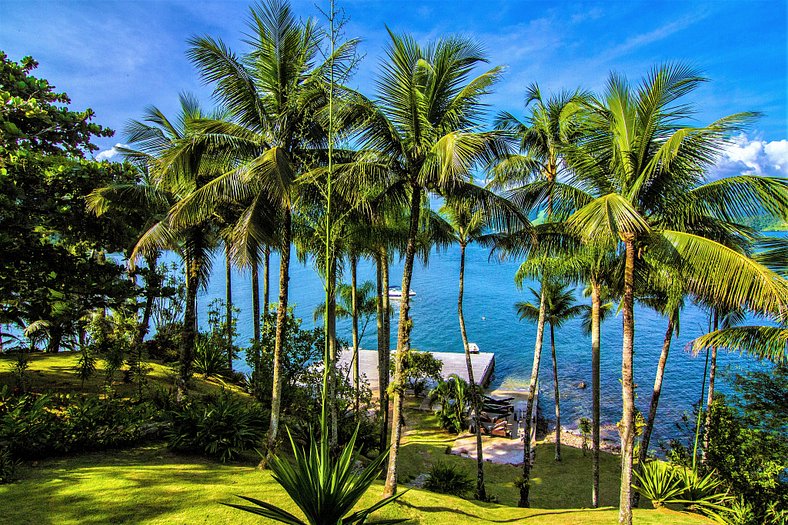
(325, 488)
(38, 426)
(165, 344)
(8, 465)
(448, 479)
(210, 359)
(419, 368)
(701, 493)
(454, 396)
(658, 482)
(220, 427)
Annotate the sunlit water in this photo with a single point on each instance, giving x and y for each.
(490, 294)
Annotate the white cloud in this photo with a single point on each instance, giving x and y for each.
(109, 154)
(777, 152)
(758, 156)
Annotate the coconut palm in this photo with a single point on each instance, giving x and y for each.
(153, 139)
(551, 125)
(422, 133)
(559, 307)
(648, 172)
(275, 92)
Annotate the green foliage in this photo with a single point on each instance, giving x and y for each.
(454, 398)
(658, 482)
(8, 466)
(210, 359)
(86, 366)
(211, 348)
(326, 489)
(38, 426)
(447, 478)
(419, 369)
(53, 270)
(703, 493)
(301, 348)
(222, 427)
(747, 447)
(112, 338)
(585, 429)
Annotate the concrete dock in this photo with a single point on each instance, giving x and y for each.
(483, 365)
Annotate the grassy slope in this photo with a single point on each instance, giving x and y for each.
(56, 373)
(150, 485)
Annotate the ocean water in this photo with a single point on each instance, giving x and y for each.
(490, 295)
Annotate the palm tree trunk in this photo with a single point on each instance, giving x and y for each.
(152, 283)
(652, 410)
(266, 279)
(403, 343)
(384, 337)
(557, 396)
(189, 330)
(528, 454)
(596, 306)
(281, 321)
(255, 300)
(710, 398)
(228, 279)
(627, 386)
(354, 306)
(481, 493)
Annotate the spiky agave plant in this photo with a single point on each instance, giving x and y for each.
(324, 488)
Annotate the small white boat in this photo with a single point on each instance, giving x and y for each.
(395, 292)
(473, 348)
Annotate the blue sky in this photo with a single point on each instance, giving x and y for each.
(118, 57)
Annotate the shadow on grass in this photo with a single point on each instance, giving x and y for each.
(486, 518)
(121, 487)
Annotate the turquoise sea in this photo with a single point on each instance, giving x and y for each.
(490, 294)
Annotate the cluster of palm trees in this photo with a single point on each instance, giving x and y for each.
(294, 157)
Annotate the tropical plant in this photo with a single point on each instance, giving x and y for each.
(210, 359)
(551, 125)
(155, 138)
(469, 224)
(454, 397)
(421, 133)
(585, 427)
(558, 307)
(648, 174)
(658, 481)
(421, 367)
(8, 466)
(275, 93)
(325, 489)
(447, 478)
(220, 427)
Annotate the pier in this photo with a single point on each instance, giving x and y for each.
(483, 365)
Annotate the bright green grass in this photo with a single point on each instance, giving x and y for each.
(150, 485)
(153, 486)
(56, 373)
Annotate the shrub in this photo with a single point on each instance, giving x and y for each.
(210, 359)
(220, 427)
(39, 426)
(701, 493)
(454, 398)
(419, 368)
(448, 479)
(658, 482)
(8, 466)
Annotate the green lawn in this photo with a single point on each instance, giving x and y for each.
(150, 485)
(56, 373)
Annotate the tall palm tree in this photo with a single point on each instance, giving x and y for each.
(469, 225)
(648, 172)
(422, 132)
(153, 139)
(551, 125)
(275, 92)
(559, 307)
